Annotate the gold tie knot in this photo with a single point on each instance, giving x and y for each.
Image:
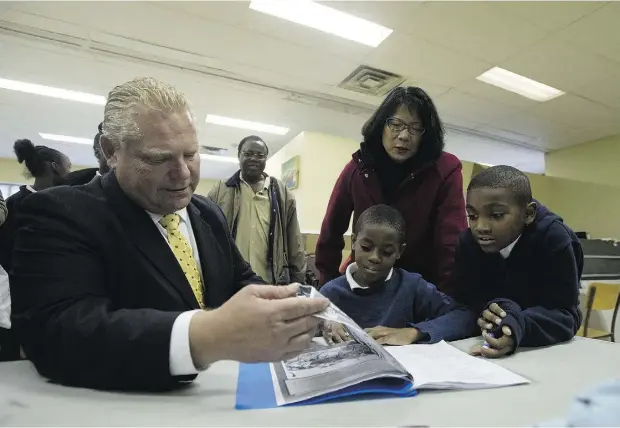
(170, 221)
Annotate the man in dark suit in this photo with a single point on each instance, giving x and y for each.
(84, 176)
(110, 280)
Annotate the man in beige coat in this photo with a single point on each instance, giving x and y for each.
(262, 217)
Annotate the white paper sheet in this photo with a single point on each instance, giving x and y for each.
(442, 366)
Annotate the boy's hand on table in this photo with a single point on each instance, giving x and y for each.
(496, 347)
(491, 317)
(394, 336)
(334, 332)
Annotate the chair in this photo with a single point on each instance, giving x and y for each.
(601, 297)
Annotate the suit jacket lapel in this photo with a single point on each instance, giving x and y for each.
(208, 252)
(141, 230)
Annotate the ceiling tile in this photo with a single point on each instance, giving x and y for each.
(451, 120)
(528, 124)
(598, 31)
(240, 16)
(565, 137)
(493, 93)
(577, 112)
(562, 65)
(396, 15)
(425, 62)
(509, 136)
(473, 29)
(550, 15)
(604, 91)
(471, 108)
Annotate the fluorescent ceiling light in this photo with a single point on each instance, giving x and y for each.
(323, 18)
(245, 124)
(518, 84)
(66, 139)
(219, 158)
(48, 91)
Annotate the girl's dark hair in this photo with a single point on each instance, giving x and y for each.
(36, 158)
(418, 101)
(97, 143)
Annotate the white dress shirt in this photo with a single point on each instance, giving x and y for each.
(352, 268)
(180, 361)
(505, 252)
(5, 300)
(5, 291)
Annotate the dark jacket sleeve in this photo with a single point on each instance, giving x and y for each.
(450, 222)
(62, 314)
(439, 316)
(3, 210)
(466, 281)
(335, 223)
(557, 318)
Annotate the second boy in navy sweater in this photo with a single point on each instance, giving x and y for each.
(395, 306)
(518, 265)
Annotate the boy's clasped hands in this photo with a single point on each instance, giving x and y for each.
(496, 344)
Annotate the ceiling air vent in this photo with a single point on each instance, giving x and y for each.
(371, 81)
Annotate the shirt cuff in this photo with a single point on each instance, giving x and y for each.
(181, 363)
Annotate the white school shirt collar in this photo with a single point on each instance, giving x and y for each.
(30, 188)
(351, 269)
(506, 251)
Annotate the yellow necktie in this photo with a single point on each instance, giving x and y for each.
(183, 252)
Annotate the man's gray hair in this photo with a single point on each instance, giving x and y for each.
(121, 108)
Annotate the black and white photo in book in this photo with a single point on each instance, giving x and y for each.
(327, 368)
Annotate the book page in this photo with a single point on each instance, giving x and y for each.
(442, 366)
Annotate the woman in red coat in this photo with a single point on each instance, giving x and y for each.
(401, 163)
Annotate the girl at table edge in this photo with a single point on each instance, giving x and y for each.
(401, 162)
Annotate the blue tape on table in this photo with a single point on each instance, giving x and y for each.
(255, 389)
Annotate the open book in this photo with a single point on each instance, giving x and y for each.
(363, 366)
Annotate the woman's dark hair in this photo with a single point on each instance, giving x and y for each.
(418, 101)
(36, 158)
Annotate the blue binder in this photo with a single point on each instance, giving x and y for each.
(255, 389)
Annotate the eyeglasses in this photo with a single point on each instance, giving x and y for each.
(398, 125)
(255, 155)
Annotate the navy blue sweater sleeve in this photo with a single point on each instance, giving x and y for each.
(332, 290)
(438, 316)
(557, 318)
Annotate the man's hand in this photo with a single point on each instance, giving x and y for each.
(334, 332)
(394, 336)
(259, 323)
(491, 317)
(496, 347)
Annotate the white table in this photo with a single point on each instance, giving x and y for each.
(557, 374)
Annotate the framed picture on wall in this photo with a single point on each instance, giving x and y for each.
(290, 173)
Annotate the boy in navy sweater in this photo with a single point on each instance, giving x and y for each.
(518, 266)
(396, 307)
